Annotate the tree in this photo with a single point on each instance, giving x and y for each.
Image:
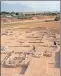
(17, 13)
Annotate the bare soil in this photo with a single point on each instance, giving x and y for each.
(19, 38)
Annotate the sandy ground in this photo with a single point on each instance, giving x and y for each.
(21, 36)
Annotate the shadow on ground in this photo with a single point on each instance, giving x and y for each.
(57, 60)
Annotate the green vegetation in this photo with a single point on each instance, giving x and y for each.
(28, 15)
(23, 16)
(17, 13)
(20, 16)
(57, 18)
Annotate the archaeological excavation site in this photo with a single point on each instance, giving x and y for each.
(30, 43)
(30, 51)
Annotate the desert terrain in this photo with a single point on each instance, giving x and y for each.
(30, 48)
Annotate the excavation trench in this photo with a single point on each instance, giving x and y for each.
(23, 70)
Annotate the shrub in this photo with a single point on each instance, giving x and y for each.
(57, 18)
